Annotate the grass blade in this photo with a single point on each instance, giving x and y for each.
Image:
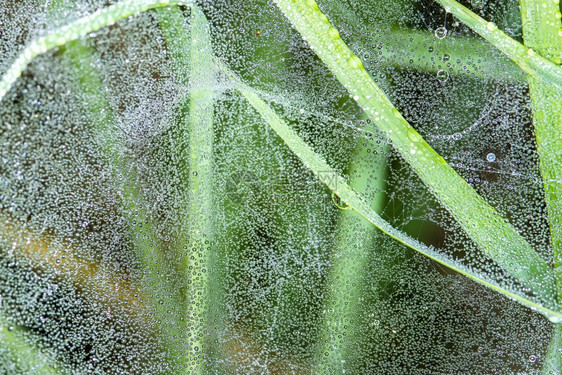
(201, 174)
(349, 269)
(541, 31)
(529, 61)
(199, 128)
(338, 185)
(492, 233)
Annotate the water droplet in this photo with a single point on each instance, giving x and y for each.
(323, 18)
(355, 62)
(492, 26)
(440, 32)
(334, 33)
(312, 5)
(414, 136)
(443, 75)
(491, 157)
(339, 203)
(446, 57)
(532, 358)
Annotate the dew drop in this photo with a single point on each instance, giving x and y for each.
(312, 5)
(324, 19)
(339, 203)
(532, 358)
(334, 33)
(491, 157)
(446, 57)
(492, 26)
(440, 32)
(443, 75)
(414, 136)
(355, 62)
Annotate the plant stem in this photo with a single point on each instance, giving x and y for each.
(339, 185)
(542, 31)
(491, 232)
(199, 129)
(527, 59)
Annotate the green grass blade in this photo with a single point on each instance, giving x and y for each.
(527, 59)
(199, 128)
(201, 177)
(349, 269)
(74, 30)
(492, 233)
(201, 123)
(542, 31)
(338, 185)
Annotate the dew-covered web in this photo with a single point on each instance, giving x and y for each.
(127, 248)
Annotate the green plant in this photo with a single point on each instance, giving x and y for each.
(522, 271)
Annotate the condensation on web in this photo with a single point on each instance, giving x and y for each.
(95, 205)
